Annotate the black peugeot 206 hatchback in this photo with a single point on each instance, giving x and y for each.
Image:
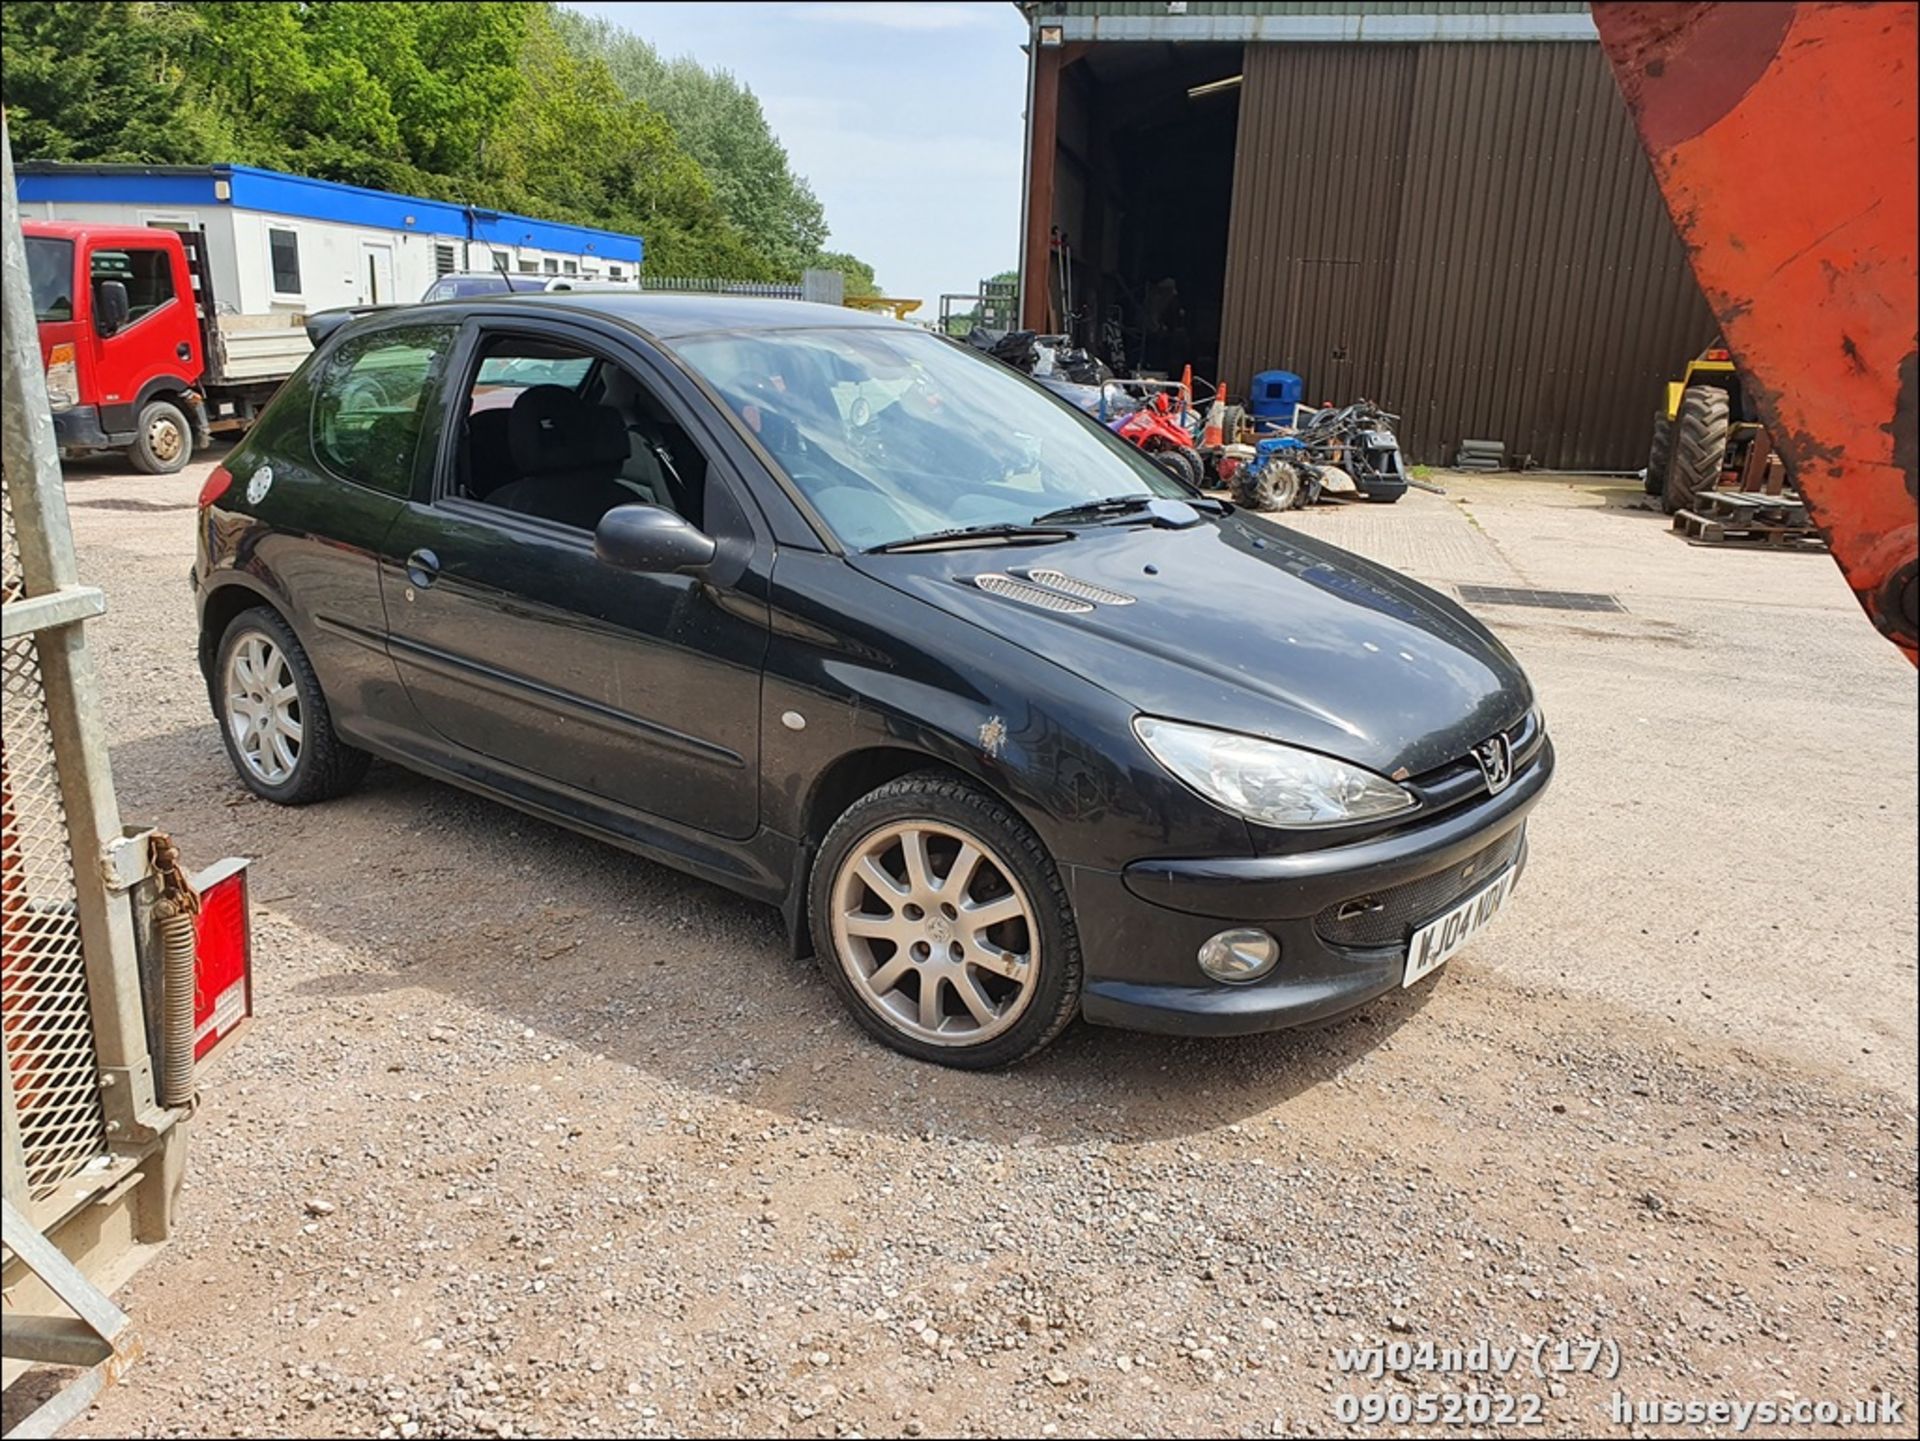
(1009, 724)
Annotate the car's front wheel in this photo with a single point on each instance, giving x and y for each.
(273, 717)
(941, 921)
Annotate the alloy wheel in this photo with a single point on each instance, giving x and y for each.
(263, 709)
(935, 932)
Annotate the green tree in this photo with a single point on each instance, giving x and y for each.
(495, 103)
(87, 81)
(575, 142)
(858, 274)
(722, 125)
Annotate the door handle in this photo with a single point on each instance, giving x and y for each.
(422, 568)
(183, 350)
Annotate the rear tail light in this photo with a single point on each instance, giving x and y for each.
(1717, 354)
(63, 381)
(218, 484)
(223, 955)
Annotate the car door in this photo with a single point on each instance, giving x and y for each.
(160, 338)
(633, 691)
(325, 474)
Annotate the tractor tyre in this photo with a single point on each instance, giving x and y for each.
(1659, 453)
(1699, 447)
(1274, 487)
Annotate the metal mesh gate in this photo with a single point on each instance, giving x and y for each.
(44, 1010)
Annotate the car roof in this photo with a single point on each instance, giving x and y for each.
(670, 317)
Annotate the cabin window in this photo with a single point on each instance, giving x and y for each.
(442, 260)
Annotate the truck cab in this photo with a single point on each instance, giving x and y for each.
(122, 341)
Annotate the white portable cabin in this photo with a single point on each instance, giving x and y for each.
(286, 245)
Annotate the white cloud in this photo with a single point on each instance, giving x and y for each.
(910, 16)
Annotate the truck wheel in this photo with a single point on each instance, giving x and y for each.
(162, 439)
(1659, 453)
(1699, 447)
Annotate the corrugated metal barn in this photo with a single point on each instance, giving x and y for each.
(1440, 207)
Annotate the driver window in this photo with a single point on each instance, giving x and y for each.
(147, 275)
(559, 433)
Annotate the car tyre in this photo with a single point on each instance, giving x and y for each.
(162, 439)
(880, 952)
(273, 717)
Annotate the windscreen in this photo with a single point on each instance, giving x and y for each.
(893, 433)
(50, 274)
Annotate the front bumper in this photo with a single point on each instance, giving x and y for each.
(1141, 928)
(78, 429)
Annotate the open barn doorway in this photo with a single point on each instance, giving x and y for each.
(1142, 187)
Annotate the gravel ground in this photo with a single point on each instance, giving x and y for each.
(531, 1137)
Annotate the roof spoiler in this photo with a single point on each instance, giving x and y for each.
(325, 322)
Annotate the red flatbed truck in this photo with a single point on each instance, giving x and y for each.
(137, 354)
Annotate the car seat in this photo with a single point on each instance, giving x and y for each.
(567, 455)
(489, 455)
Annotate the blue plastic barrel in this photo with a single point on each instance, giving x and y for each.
(1274, 395)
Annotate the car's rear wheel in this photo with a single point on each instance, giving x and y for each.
(941, 921)
(273, 717)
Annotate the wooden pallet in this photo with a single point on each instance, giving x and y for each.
(1749, 519)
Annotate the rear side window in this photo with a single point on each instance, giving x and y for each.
(369, 404)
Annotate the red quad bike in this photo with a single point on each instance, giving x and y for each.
(1157, 428)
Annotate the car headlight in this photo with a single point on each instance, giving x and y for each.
(1267, 782)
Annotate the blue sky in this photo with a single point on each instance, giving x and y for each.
(906, 119)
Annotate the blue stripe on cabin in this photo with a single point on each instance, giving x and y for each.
(272, 192)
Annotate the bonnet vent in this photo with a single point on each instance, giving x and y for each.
(1005, 586)
(1077, 588)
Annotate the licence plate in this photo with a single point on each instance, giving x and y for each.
(1435, 942)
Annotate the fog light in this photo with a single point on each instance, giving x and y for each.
(1240, 955)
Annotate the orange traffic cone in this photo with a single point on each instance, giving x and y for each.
(1213, 434)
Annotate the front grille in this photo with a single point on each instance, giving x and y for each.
(1387, 917)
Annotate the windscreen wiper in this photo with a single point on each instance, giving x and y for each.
(1091, 509)
(1117, 505)
(970, 535)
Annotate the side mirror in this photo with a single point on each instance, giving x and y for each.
(652, 540)
(110, 306)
